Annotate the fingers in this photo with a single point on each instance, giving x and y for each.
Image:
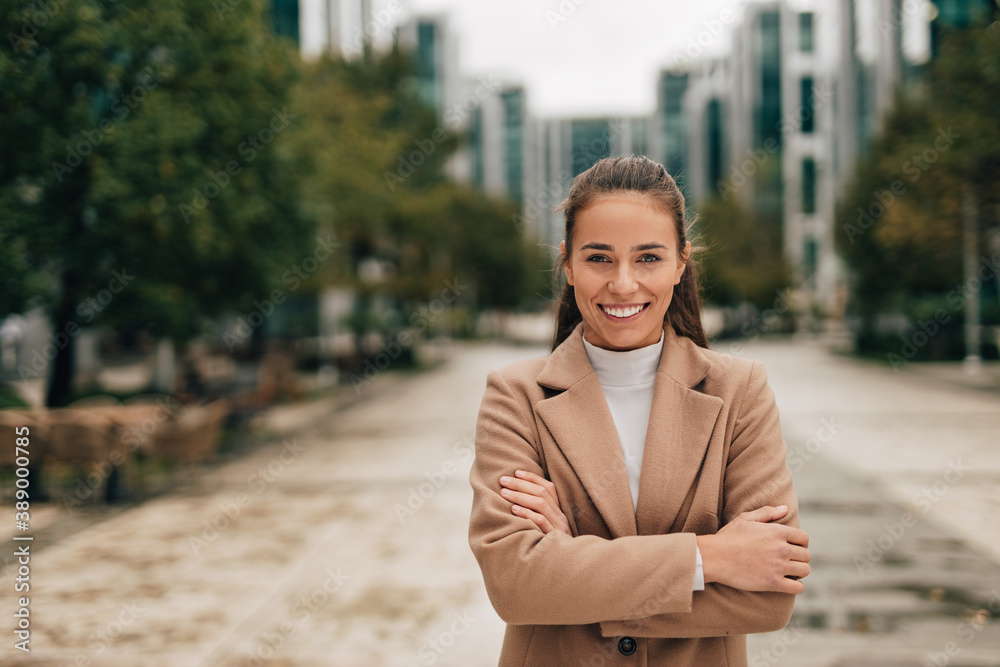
(800, 554)
(797, 536)
(798, 570)
(787, 585)
(539, 520)
(535, 498)
(539, 480)
(523, 485)
(765, 514)
(528, 500)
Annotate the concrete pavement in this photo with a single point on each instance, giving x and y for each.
(343, 542)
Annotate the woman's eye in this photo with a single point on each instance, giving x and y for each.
(649, 258)
(598, 258)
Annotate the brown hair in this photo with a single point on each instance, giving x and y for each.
(642, 176)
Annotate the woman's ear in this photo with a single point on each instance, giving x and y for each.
(685, 256)
(565, 263)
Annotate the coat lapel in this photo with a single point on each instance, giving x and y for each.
(680, 427)
(581, 424)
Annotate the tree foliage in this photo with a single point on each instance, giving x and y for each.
(742, 261)
(143, 139)
(900, 223)
(377, 174)
(164, 163)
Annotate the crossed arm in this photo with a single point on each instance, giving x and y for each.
(753, 566)
(750, 553)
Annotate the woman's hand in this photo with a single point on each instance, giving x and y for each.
(535, 498)
(754, 554)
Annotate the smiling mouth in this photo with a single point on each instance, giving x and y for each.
(623, 312)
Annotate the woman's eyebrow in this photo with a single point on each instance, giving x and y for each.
(610, 248)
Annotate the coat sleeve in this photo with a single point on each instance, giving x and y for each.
(537, 579)
(756, 475)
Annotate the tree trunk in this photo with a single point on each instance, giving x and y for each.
(64, 339)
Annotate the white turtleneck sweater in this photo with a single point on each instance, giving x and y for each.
(627, 379)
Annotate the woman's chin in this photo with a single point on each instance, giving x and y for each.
(624, 340)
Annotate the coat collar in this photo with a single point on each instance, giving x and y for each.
(681, 360)
(681, 424)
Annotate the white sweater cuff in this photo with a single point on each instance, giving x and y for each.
(699, 573)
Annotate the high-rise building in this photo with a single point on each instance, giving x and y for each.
(562, 148)
(435, 51)
(705, 107)
(345, 28)
(284, 16)
(672, 125)
(779, 124)
(958, 14)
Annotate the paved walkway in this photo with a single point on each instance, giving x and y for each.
(898, 476)
(344, 542)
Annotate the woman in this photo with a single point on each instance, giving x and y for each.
(632, 505)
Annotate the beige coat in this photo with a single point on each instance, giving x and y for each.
(713, 449)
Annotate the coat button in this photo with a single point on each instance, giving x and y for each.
(626, 646)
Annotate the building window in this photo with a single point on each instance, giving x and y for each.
(476, 145)
(427, 63)
(806, 31)
(808, 185)
(809, 258)
(285, 18)
(590, 141)
(513, 106)
(769, 109)
(715, 124)
(808, 109)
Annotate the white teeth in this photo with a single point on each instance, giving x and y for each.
(622, 312)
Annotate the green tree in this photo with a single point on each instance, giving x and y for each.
(743, 260)
(143, 161)
(377, 176)
(900, 224)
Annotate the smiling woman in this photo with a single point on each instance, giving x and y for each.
(630, 489)
(625, 290)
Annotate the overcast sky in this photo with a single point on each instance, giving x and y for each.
(595, 57)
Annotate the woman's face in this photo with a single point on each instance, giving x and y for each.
(623, 266)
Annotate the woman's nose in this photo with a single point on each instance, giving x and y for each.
(623, 281)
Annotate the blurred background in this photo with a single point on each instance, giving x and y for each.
(257, 258)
